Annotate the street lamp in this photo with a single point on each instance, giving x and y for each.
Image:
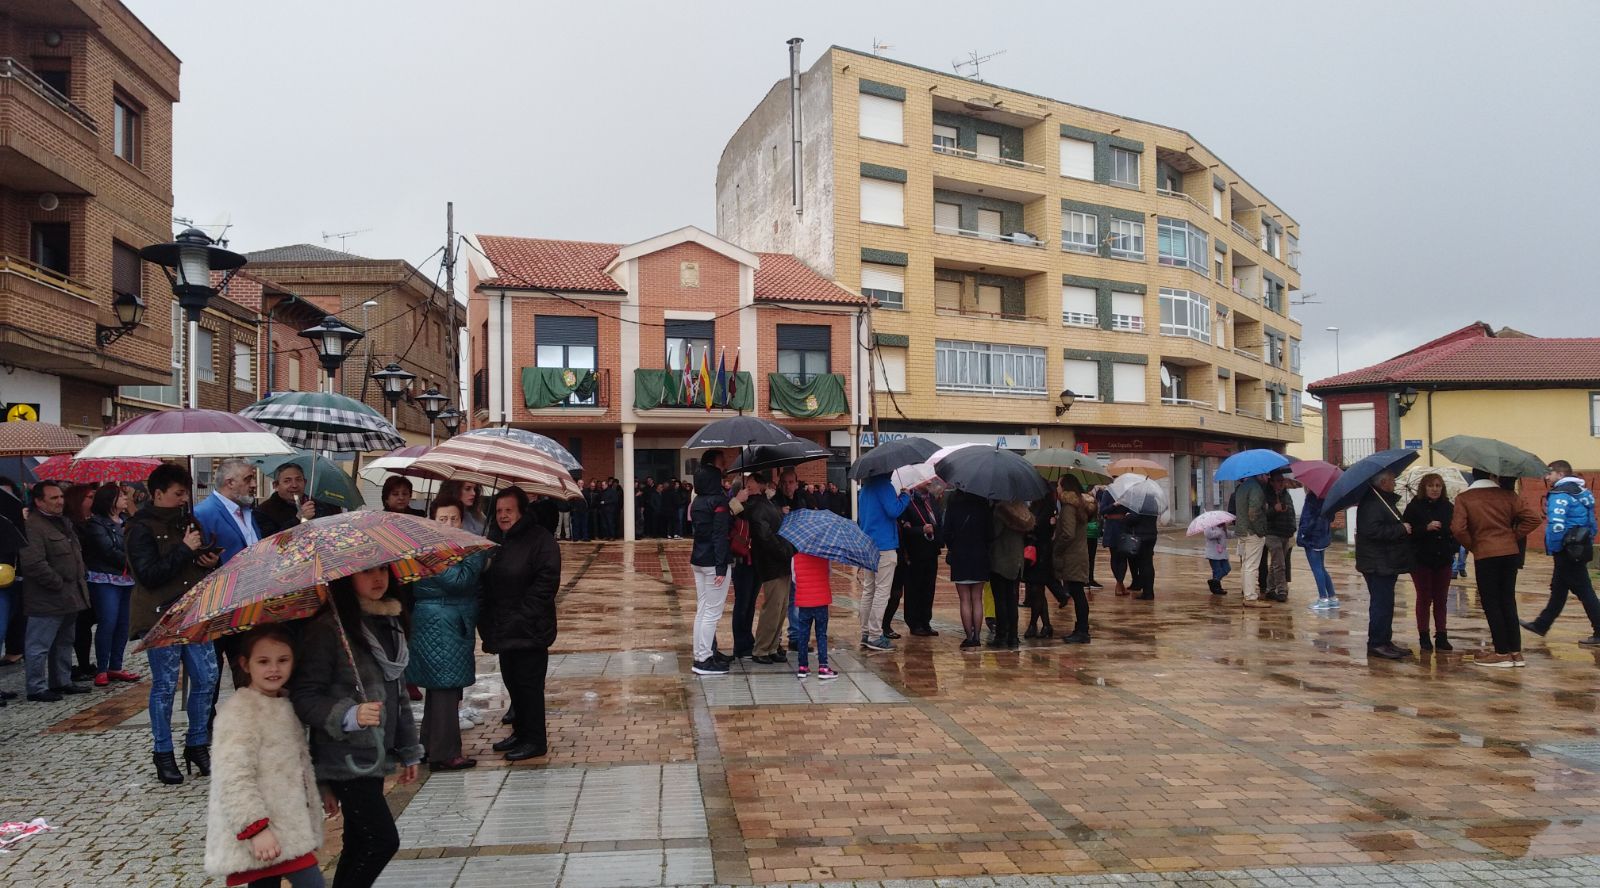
(451, 419)
(394, 381)
(1406, 398)
(1335, 332)
(130, 314)
(1068, 398)
(432, 403)
(333, 340)
(188, 262)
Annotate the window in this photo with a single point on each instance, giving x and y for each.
(1185, 314)
(126, 268)
(1127, 312)
(244, 360)
(1275, 405)
(803, 351)
(1217, 195)
(988, 148)
(1082, 378)
(1296, 408)
(882, 118)
(1127, 239)
(1080, 232)
(946, 218)
(166, 394)
(1222, 394)
(885, 283)
(1219, 331)
(1275, 349)
(1294, 355)
(1127, 383)
(1079, 307)
(989, 224)
(944, 138)
(695, 336)
(947, 294)
(206, 365)
(990, 299)
(294, 371)
(1174, 385)
(1294, 252)
(125, 130)
(1125, 167)
(57, 72)
(1217, 267)
(988, 368)
(568, 343)
(883, 202)
(1182, 245)
(891, 368)
(1077, 159)
(1594, 414)
(50, 246)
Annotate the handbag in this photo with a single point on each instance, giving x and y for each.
(1030, 554)
(1127, 544)
(1578, 545)
(739, 538)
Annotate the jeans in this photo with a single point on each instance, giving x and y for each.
(310, 877)
(1111, 532)
(17, 628)
(1461, 561)
(1220, 567)
(48, 654)
(111, 638)
(370, 837)
(809, 617)
(580, 525)
(1568, 576)
(897, 586)
(875, 593)
(199, 662)
(1319, 572)
(524, 674)
(795, 641)
(711, 596)
(744, 608)
(1380, 610)
(1250, 549)
(8, 606)
(1433, 587)
(1497, 595)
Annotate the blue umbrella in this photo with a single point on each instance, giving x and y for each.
(827, 535)
(1353, 484)
(1249, 463)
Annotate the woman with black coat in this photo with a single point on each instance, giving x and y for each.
(1041, 574)
(966, 538)
(1383, 553)
(1429, 514)
(105, 558)
(517, 616)
(1141, 566)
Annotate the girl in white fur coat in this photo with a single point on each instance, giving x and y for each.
(264, 821)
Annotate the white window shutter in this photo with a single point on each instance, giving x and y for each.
(891, 369)
(1082, 378)
(1077, 159)
(882, 118)
(882, 202)
(1079, 300)
(883, 277)
(1216, 202)
(989, 223)
(947, 294)
(1130, 304)
(1127, 383)
(988, 147)
(946, 217)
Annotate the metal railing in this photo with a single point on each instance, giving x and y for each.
(1247, 354)
(1249, 414)
(1240, 230)
(940, 148)
(1020, 238)
(12, 69)
(1167, 192)
(1184, 402)
(989, 315)
(41, 275)
(1347, 451)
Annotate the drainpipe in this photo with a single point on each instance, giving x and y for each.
(1430, 426)
(794, 122)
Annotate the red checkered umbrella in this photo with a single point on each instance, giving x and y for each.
(495, 462)
(36, 439)
(62, 467)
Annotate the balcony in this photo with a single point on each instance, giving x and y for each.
(1346, 451)
(1243, 353)
(47, 143)
(47, 323)
(1167, 192)
(815, 396)
(664, 390)
(1184, 402)
(1240, 230)
(948, 148)
(1020, 238)
(561, 388)
(1249, 414)
(14, 71)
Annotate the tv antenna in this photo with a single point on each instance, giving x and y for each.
(975, 62)
(878, 46)
(1306, 299)
(343, 236)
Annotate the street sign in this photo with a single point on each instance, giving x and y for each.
(1413, 443)
(22, 412)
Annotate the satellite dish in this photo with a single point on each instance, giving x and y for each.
(49, 202)
(1166, 377)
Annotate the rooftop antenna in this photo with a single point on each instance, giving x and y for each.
(878, 46)
(975, 62)
(1306, 299)
(343, 236)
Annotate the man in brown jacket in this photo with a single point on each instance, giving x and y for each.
(1491, 522)
(53, 564)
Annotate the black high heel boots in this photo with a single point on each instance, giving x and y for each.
(197, 757)
(167, 768)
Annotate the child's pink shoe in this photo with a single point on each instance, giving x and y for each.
(826, 674)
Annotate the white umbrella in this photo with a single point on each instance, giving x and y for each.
(912, 476)
(181, 434)
(1139, 494)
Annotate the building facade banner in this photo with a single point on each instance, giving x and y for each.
(821, 395)
(660, 388)
(549, 386)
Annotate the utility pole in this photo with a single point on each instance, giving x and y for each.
(454, 339)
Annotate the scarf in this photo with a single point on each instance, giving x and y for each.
(385, 607)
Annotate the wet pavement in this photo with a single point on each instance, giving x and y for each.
(1193, 742)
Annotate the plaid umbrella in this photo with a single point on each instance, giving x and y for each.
(36, 439)
(325, 421)
(495, 462)
(62, 467)
(827, 535)
(180, 434)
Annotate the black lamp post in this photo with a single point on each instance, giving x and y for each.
(451, 419)
(188, 261)
(432, 403)
(130, 314)
(1408, 397)
(394, 380)
(1068, 398)
(333, 340)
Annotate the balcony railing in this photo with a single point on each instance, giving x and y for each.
(1347, 451)
(1249, 414)
(1184, 402)
(1167, 192)
(41, 275)
(14, 70)
(941, 148)
(1240, 230)
(986, 315)
(1247, 354)
(1020, 238)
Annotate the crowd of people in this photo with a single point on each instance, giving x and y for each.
(660, 508)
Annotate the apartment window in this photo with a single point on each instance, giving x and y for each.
(244, 361)
(1294, 355)
(1217, 196)
(891, 368)
(1182, 245)
(947, 218)
(205, 369)
(1127, 312)
(803, 351)
(1294, 252)
(988, 368)
(1077, 159)
(57, 72)
(1125, 167)
(1216, 267)
(1127, 239)
(885, 283)
(1174, 385)
(1080, 232)
(1594, 414)
(944, 138)
(1219, 331)
(1184, 313)
(883, 202)
(882, 118)
(1275, 405)
(126, 126)
(1082, 378)
(989, 224)
(947, 294)
(1127, 383)
(1079, 307)
(1275, 350)
(50, 246)
(1296, 408)
(125, 271)
(1222, 394)
(693, 338)
(988, 148)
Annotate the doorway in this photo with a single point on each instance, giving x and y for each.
(661, 465)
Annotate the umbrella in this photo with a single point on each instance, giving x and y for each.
(332, 484)
(915, 475)
(1249, 463)
(1409, 483)
(62, 467)
(537, 442)
(831, 536)
(890, 455)
(325, 421)
(1054, 462)
(991, 473)
(1315, 475)
(1207, 520)
(495, 462)
(181, 434)
(36, 439)
(738, 431)
(1145, 467)
(1493, 456)
(1139, 494)
(776, 456)
(399, 458)
(1353, 484)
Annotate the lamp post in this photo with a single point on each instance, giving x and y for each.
(188, 261)
(451, 419)
(432, 403)
(394, 380)
(333, 340)
(1335, 332)
(1068, 398)
(130, 314)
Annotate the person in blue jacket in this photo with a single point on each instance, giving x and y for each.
(1569, 517)
(444, 625)
(1314, 536)
(879, 508)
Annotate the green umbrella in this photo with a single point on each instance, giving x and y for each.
(328, 482)
(1492, 456)
(1053, 462)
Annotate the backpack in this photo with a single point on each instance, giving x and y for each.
(739, 538)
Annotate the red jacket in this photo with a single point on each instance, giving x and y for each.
(811, 581)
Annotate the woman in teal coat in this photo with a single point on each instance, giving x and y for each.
(444, 624)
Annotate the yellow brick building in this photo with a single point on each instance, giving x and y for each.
(1020, 248)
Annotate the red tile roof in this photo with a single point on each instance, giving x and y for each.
(579, 267)
(1474, 356)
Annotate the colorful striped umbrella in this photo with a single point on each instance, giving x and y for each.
(64, 468)
(36, 439)
(496, 463)
(180, 434)
(284, 577)
(325, 421)
(536, 441)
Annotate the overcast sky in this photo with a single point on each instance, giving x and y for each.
(1431, 151)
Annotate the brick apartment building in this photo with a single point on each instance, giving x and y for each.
(584, 341)
(86, 96)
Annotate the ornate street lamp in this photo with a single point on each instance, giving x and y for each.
(333, 340)
(130, 314)
(394, 380)
(188, 262)
(432, 403)
(1068, 398)
(1407, 397)
(451, 419)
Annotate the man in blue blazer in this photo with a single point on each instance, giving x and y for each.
(227, 516)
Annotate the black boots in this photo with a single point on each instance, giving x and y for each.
(1423, 640)
(1216, 587)
(197, 757)
(971, 641)
(167, 768)
(1441, 641)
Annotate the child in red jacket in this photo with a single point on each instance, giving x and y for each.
(812, 596)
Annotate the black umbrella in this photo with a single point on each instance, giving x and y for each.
(993, 474)
(739, 431)
(1353, 484)
(891, 455)
(777, 456)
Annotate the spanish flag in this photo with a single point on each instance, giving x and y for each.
(705, 377)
